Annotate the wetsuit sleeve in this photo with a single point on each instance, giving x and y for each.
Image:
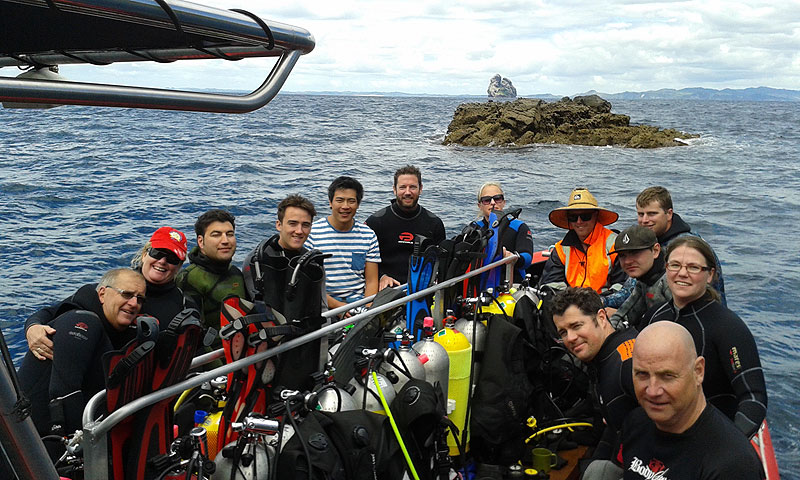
(439, 233)
(742, 365)
(632, 307)
(46, 315)
(554, 274)
(75, 366)
(524, 246)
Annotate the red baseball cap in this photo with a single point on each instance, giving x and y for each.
(170, 239)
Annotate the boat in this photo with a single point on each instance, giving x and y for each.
(161, 31)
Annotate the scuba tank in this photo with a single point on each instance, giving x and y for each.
(437, 368)
(460, 353)
(406, 364)
(367, 398)
(261, 456)
(334, 398)
(474, 330)
(503, 303)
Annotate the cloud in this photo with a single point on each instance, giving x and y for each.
(560, 47)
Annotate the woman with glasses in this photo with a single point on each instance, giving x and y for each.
(734, 380)
(158, 261)
(514, 238)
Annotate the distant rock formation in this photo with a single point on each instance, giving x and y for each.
(585, 120)
(501, 87)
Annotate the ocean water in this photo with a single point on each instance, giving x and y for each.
(82, 188)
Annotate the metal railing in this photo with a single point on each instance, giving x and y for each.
(96, 429)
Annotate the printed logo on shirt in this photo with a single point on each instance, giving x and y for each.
(77, 330)
(655, 470)
(82, 326)
(736, 364)
(625, 349)
(405, 237)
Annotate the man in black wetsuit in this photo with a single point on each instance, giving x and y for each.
(583, 326)
(397, 225)
(676, 434)
(654, 211)
(86, 327)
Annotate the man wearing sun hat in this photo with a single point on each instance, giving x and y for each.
(581, 258)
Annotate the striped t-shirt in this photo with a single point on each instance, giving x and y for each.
(344, 271)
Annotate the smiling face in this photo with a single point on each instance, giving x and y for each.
(654, 217)
(582, 335)
(118, 310)
(160, 271)
(687, 287)
(668, 377)
(294, 229)
(344, 206)
(583, 228)
(219, 242)
(486, 208)
(407, 191)
(636, 263)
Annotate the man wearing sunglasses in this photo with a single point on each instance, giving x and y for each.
(582, 258)
(639, 254)
(84, 329)
(397, 225)
(211, 276)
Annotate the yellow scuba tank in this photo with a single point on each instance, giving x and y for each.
(460, 353)
(505, 304)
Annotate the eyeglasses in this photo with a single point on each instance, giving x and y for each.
(691, 268)
(127, 295)
(585, 216)
(159, 253)
(488, 199)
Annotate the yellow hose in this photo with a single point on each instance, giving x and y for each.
(394, 427)
(556, 427)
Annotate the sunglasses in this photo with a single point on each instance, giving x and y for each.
(691, 268)
(488, 199)
(585, 216)
(159, 253)
(127, 295)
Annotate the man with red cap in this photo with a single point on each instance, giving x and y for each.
(581, 258)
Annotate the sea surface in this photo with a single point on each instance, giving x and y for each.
(82, 188)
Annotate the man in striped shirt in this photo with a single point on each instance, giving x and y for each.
(352, 272)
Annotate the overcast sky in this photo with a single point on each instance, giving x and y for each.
(561, 47)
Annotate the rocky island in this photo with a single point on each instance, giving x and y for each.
(583, 120)
(500, 87)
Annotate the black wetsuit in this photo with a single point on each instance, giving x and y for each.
(75, 374)
(516, 238)
(711, 449)
(679, 228)
(734, 379)
(163, 302)
(611, 373)
(396, 230)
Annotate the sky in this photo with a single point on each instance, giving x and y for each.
(454, 47)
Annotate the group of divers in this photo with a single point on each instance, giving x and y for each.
(679, 399)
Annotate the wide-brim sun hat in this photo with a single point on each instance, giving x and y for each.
(581, 199)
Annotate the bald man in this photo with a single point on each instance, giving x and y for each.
(676, 434)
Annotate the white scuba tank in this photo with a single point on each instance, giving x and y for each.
(264, 460)
(437, 368)
(373, 403)
(405, 359)
(331, 401)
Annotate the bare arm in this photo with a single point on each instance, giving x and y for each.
(370, 279)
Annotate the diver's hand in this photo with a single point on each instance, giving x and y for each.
(39, 342)
(387, 281)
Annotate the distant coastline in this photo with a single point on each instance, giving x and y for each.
(753, 94)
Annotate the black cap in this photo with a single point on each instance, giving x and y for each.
(635, 238)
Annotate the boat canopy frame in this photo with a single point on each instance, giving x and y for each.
(183, 31)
